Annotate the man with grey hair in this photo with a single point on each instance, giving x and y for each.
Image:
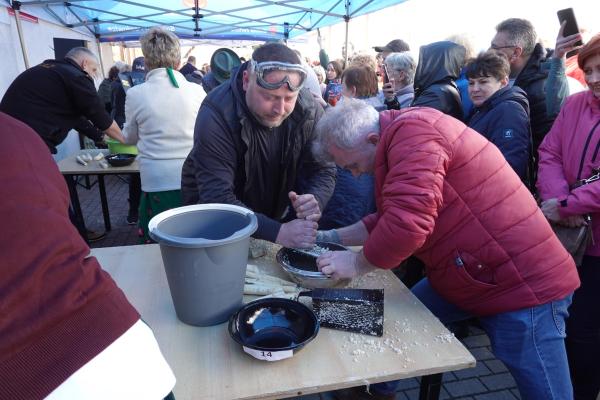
(399, 92)
(529, 66)
(189, 67)
(59, 95)
(252, 147)
(446, 195)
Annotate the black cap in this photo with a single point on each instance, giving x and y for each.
(395, 46)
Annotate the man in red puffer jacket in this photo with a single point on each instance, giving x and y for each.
(447, 195)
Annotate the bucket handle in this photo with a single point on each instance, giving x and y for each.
(232, 327)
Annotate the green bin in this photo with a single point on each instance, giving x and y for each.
(116, 147)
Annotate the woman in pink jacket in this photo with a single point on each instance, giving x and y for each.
(569, 152)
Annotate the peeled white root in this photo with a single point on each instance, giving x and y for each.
(103, 164)
(81, 161)
(98, 156)
(260, 284)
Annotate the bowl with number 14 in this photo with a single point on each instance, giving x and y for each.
(273, 329)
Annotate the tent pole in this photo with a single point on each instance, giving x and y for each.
(16, 6)
(100, 55)
(347, 20)
(346, 52)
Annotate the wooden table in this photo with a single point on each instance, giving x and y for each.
(71, 169)
(208, 364)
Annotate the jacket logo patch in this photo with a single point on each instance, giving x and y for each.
(508, 134)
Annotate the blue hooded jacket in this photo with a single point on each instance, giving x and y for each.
(504, 120)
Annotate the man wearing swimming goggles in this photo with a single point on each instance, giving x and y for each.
(253, 147)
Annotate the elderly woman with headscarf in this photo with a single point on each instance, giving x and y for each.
(569, 153)
(160, 118)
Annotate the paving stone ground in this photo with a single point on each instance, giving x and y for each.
(488, 380)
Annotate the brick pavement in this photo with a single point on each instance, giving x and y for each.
(488, 380)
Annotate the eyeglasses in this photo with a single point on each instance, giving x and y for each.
(263, 69)
(496, 47)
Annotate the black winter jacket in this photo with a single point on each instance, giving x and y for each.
(439, 66)
(226, 164)
(504, 120)
(55, 97)
(532, 79)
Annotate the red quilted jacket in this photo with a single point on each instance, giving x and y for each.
(447, 195)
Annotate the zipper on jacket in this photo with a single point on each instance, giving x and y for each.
(587, 143)
(598, 144)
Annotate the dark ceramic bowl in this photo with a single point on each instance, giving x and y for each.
(120, 160)
(273, 328)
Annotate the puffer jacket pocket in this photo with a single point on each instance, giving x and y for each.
(463, 280)
(473, 270)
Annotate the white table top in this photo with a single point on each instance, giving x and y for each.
(208, 364)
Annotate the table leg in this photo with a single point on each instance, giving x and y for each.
(104, 202)
(76, 206)
(430, 387)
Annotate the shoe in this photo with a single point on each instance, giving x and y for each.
(360, 393)
(93, 236)
(132, 219)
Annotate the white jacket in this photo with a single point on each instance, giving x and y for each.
(160, 120)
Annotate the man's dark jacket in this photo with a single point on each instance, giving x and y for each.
(225, 165)
(55, 97)
(532, 79)
(187, 69)
(438, 68)
(504, 120)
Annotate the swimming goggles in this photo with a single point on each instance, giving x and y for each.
(263, 69)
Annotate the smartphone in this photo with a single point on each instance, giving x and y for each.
(386, 76)
(571, 27)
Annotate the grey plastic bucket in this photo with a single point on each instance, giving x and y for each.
(204, 249)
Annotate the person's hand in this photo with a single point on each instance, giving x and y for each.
(319, 100)
(343, 264)
(565, 44)
(573, 221)
(306, 206)
(550, 210)
(388, 90)
(297, 233)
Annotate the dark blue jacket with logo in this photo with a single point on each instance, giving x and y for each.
(504, 120)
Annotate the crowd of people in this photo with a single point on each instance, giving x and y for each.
(456, 166)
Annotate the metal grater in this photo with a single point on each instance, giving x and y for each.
(353, 310)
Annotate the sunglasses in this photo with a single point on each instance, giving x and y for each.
(263, 69)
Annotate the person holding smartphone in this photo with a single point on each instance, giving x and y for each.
(568, 40)
(399, 75)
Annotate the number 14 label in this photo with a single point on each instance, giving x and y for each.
(269, 355)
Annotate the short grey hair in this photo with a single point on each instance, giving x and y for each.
(520, 33)
(122, 67)
(345, 125)
(81, 53)
(402, 62)
(160, 48)
(319, 71)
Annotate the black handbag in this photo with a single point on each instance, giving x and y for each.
(576, 240)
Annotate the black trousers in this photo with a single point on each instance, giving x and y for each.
(583, 332)
(135, 192)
